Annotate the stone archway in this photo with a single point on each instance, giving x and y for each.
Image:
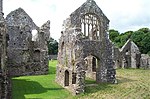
(91, 65)
(66, 78)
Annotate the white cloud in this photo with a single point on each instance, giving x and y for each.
(124, 15)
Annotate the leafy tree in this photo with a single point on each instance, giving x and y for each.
(137, 38)
(113, 34)
(145, 30)
(142, 39)
(119, 39)
(52, 47)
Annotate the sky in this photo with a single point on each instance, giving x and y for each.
(124, 15)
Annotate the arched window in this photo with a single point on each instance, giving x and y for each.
(66, 78)
(90, 26)
(62, 46)
(34, 35)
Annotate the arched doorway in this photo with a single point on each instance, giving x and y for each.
(91, 65)
(94, 64)
(66, 78)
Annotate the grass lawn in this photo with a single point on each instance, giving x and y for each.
(132, 84)
(39, 87)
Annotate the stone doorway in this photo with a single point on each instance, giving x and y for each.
(91, 66)
(94, 64)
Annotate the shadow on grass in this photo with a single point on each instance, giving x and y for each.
(22, 87)
(98, 87)
(92, 86)
(124, 80)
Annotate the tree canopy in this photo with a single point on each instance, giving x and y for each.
(52, 47)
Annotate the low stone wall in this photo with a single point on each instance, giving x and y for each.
(52, 57)
(33, 68)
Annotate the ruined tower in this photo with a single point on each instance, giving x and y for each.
(84, 49)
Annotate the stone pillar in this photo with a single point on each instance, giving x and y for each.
(5, 85)
(1, 7)
(80, 84)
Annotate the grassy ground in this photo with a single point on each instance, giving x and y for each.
(132, 84)
(39, 87)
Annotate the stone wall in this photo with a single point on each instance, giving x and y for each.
(5, 85)
(52, 57)
(25, 56)
(129, 56)
(117, 57)
(19, 55)
(145, 61)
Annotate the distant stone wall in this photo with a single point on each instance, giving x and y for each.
(145, 61)
(52, 57)
(129, 56)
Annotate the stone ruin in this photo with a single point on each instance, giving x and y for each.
(21, 52)
(84, 49)
(27, 54)
(129, 56)
(4, 77)
(145, 61)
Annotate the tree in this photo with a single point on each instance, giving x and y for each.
(142, 39)
(119, 39)
(52, 47)
(113, 34)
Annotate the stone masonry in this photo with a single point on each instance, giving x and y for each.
(129, 56)
(25, 55)
(5, 84)
(84, 41)
(145, 61)
(19, 53)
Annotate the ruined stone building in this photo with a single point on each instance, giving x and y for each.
(4, 77)
(117, 57)
(129, 56)
(84, 49)
(26, 56)
(21, 53)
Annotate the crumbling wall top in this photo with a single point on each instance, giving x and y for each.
(130, 45)
(89, 6)
(19, 17)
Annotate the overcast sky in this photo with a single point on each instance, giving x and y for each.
(124, 15)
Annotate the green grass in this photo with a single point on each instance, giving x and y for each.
(39, 87)
(132, 84)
